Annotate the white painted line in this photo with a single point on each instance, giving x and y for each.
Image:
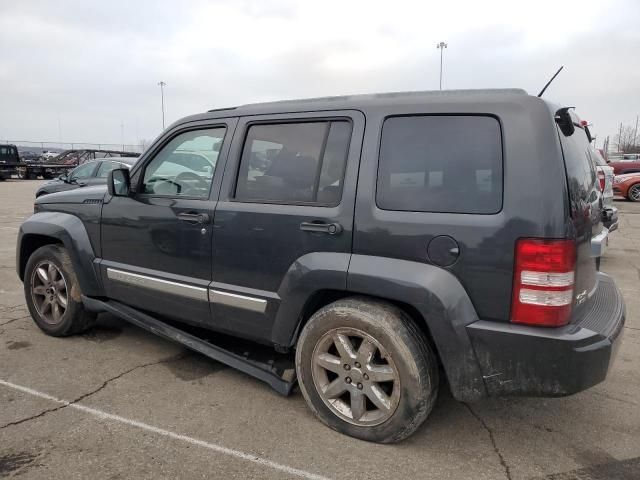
(10, 228)
(166, 433)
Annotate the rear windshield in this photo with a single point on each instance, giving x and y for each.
(440, 164)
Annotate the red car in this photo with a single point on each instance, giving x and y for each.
(625, 166)
(628, 186)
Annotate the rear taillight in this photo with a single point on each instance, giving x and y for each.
(601, 178)
(544, 274)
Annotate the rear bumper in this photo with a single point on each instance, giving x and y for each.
(533, 361)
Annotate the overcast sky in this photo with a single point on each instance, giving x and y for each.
(77, 70)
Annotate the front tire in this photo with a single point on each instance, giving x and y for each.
(366, 370)
(52, 293)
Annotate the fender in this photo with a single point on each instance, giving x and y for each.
(443, 303)
(71, 232)
(309, 274)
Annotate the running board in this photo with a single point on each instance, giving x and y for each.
(280, 379)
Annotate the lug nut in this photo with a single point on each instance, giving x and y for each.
(359, 386)
(357, 365)
(347, 366)
(365, 376)
(348, 379)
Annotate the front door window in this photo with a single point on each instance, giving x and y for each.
(185, 166)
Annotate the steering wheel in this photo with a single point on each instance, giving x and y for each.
(187, 176)
(155, 180)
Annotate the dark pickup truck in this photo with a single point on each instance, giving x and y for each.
(9, 161)
(362, 246)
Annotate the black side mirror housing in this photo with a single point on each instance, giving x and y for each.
(119, 182)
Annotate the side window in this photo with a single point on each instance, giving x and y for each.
(294, 162)
(83, 171)
(185, 166)
(105, 168)
(580, 168)
(447, 164)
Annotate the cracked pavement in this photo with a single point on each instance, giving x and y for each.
(125, 371)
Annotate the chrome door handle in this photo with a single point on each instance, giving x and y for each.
(195, 218)
(330, 228)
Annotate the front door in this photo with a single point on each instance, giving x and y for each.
(156, 243)
(282, 213)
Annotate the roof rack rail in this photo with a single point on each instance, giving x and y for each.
(221, 109)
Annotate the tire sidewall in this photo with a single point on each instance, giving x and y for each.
(415, 389)
(56, 255)
(634, 186)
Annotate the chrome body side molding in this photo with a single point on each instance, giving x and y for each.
(157, 284)
(239, 301)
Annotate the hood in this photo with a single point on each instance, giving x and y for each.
(79, 195)
(627, 176)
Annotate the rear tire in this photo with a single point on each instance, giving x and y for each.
(366, 370)
(633, 194)
(52, 293)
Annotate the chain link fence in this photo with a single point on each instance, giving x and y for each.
(41, 147)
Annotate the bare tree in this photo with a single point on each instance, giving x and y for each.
(626, 140)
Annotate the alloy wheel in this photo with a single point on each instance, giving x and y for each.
(49, 292)
(355, 377)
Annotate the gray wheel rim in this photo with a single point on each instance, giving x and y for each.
(634, 192)
(355, 377)
(49, 292)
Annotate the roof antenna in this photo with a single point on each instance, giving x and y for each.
(549, 82)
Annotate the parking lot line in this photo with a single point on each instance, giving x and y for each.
(166, 433)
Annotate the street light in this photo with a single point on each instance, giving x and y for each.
(441, 46)
(162, 85)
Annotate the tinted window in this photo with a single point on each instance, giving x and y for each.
(294, 162)
(581, 171)
(185, 166)
(440, 164)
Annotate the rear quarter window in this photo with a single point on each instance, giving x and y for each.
(449, 164)
(579, 164)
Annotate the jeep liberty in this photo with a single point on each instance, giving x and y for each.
(367, 246)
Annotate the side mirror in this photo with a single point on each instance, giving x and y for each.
(63, 177)
(119, 183)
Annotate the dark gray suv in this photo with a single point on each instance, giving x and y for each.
(365, 247)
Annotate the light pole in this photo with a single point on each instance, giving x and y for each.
(162, 85)
(441, 46)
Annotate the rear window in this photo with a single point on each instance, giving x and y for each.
(440, 164)
(294, 163)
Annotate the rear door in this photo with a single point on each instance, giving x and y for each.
(585, 200)
(282, 204)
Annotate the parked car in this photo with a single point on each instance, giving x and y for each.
(29, 156)
(61, 163)
(620, 167)
(9, 160)
(605, 177)
(468, 249)
(47, 154)
(628, 186)
(90, 173)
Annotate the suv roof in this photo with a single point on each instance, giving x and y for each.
(356, 102)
